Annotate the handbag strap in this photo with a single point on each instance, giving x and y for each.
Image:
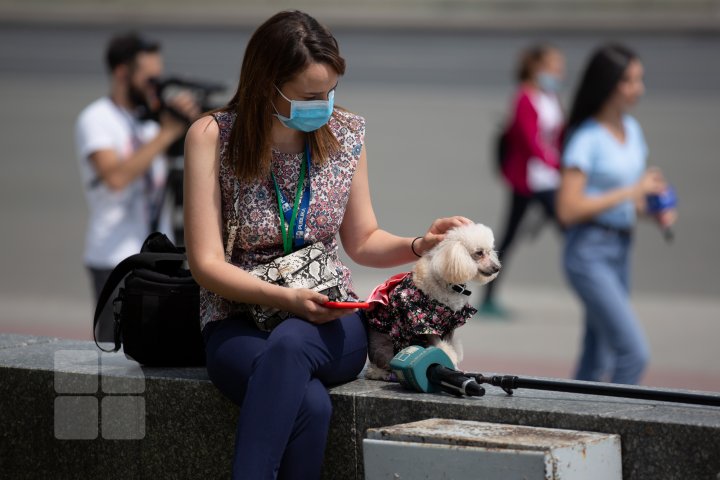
(166, 262)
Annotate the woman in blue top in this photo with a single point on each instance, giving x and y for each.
(604, 184)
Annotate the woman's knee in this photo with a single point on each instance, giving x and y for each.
(287, 342)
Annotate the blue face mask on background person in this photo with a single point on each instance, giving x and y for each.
(307, 115)
(548, 83)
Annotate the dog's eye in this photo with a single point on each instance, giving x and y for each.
(479, 254)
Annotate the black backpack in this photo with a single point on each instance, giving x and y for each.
(157, 311)
(500, 148)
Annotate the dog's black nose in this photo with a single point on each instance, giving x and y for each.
(491, 270)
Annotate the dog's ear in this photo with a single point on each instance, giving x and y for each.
(454, 263)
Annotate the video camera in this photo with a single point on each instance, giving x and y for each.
(166, 88)
(202, 91)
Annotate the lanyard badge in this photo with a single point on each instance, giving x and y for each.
(293, 217)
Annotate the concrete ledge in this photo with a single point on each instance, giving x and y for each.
(189, 426)
(446, 448)
(659, 441)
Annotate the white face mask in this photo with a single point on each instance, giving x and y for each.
(307, 115)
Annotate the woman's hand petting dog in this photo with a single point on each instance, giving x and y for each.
(438, 229)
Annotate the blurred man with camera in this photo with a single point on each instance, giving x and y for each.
(121, 140)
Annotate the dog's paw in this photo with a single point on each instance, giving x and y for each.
(373, 372)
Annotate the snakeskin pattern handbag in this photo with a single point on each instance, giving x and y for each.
(310, 267)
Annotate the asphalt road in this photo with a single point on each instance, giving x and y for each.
(432, 102)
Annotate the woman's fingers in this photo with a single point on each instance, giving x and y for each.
(438, 229)
(442, 225)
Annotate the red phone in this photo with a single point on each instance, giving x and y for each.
(346, 305)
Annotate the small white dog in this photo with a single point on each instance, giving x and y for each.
(425, 306)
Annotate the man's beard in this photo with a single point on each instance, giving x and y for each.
(140, 105)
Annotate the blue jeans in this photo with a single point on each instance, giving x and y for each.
(278, 379)
(597, 266)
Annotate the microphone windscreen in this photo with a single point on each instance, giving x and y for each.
(410, 365)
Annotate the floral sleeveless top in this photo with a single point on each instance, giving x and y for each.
(251, 222)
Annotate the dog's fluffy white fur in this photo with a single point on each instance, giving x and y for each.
(466, 254)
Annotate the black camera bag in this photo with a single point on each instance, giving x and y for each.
(157, 313)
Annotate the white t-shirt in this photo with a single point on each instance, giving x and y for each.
(542, 176)
(119, 220)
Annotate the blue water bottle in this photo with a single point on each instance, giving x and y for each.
(657, 203)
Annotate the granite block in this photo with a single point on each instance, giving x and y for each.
(341, 457)
(8, 340)
(189, 427)
(448, 448)
(659, 440)
(162, 423)
(29, 446)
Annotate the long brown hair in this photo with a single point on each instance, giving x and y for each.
(280, 48)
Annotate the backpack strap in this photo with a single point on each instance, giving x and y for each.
(163, 262)
(160, 243)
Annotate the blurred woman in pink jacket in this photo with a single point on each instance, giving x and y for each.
(531, 149)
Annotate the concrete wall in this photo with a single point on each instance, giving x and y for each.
(188, 427)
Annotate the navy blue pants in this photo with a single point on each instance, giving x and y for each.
(279, 380)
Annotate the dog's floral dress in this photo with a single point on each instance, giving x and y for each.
(405, 312)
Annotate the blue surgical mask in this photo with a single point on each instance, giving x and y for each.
(307, 115)
(548, 83)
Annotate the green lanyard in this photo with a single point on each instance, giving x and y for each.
(285, 229)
